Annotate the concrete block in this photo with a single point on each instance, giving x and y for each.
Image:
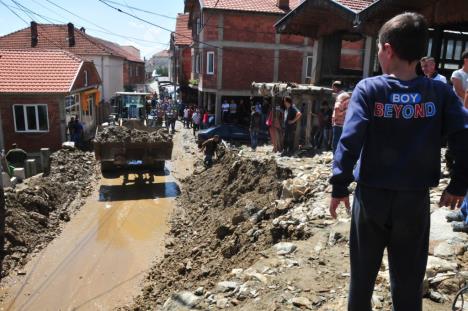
(19, 173)
(30, 168)
(45, 159)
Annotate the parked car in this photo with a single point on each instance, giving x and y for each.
(231, 133)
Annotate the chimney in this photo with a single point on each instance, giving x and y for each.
(83, 30)
(33, 34)
(283, 4)
(71, 35)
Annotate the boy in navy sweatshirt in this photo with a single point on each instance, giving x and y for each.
(391, 139)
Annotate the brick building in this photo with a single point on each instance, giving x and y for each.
(39, 91)
(235, 44)
(120, 67)
(181, 59)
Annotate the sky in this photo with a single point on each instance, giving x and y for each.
(100, 20)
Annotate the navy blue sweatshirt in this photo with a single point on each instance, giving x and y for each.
(394, 130)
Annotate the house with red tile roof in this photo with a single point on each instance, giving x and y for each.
(40, 90)
(235, 44)
(119, 67)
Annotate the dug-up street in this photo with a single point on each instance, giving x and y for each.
(253, 232)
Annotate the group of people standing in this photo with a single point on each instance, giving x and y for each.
(282, 124)
(195, 118)
(283, 120)
(237, 111)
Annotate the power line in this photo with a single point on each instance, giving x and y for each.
(48, 19)
(142, 10)
(104, 30)
(47, 8)
(8, 7)
(25, 11)
(141, 19)
(195, 40)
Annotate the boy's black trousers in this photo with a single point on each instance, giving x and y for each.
(400, 222)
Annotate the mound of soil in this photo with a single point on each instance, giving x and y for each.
(35, 210)
(218, 227)
(117, 134)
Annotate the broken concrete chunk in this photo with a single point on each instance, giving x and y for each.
(302, 302)
(226, 286)
(284, 248)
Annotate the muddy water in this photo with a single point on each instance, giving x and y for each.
(103, 253)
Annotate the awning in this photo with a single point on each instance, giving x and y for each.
(317, 18)
(437, 12)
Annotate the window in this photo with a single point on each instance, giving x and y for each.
(86, 78)
(89, 112)
(210, 63)
(137, 71)
(31, 118)
(309, 66)
(197, 63)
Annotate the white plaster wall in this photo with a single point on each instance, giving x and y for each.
(110, 70)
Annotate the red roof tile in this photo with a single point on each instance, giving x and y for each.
(183, 34)
(55, 36)
(266, 6)
(37, 71)
(356, 5)
(269, 6)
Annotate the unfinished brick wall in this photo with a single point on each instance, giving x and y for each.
(243, 66)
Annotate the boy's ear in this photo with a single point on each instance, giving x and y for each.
(388, 50)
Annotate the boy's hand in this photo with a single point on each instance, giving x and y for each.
(451, 200)
(335, 202)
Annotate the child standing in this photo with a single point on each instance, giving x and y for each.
(393, 130)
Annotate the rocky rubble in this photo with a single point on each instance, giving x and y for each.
(117, 134)
(36, 209)
(278, 250)
(221, 224)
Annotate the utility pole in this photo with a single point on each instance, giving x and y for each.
(2, 214)
(174, 75)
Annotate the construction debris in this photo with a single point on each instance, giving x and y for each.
(116, 134)
(36, 209)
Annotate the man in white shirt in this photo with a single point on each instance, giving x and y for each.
(460, 79)
(233, 111)
(428, 66)
(186, 117)
(225, 110)
(460, 86)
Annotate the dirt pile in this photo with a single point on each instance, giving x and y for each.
(35, 209)
(279, 249)
(116, 134)
(220, 225)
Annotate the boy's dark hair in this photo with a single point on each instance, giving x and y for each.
(408, 35)
(464, 54)
(288, 99)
